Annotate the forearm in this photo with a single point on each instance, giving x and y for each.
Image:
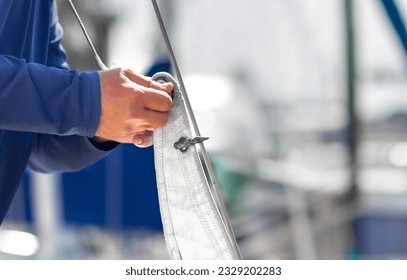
(43, 99)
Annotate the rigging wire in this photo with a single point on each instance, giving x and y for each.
(98, 59)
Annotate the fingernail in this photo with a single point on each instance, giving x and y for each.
(139, 141)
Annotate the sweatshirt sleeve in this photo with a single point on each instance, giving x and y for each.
(42, 99)
(53, 153)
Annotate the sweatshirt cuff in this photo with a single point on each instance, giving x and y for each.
(92, 89)
(105, 146)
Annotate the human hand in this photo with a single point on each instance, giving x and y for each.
(132, 106)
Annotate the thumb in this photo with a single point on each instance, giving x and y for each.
(143, 139)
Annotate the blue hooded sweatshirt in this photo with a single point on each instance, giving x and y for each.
(47, 113)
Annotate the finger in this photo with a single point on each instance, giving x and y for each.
(143, 140)
(157, 100)
(147, 82)
(136, 126)
(148, 121)
(155, 119)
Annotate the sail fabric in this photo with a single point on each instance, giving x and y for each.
(193, 226)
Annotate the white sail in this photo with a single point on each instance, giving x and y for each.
(195, 227)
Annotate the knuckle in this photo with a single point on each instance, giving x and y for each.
(167, 103)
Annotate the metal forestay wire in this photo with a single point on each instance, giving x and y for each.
(210, 174)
